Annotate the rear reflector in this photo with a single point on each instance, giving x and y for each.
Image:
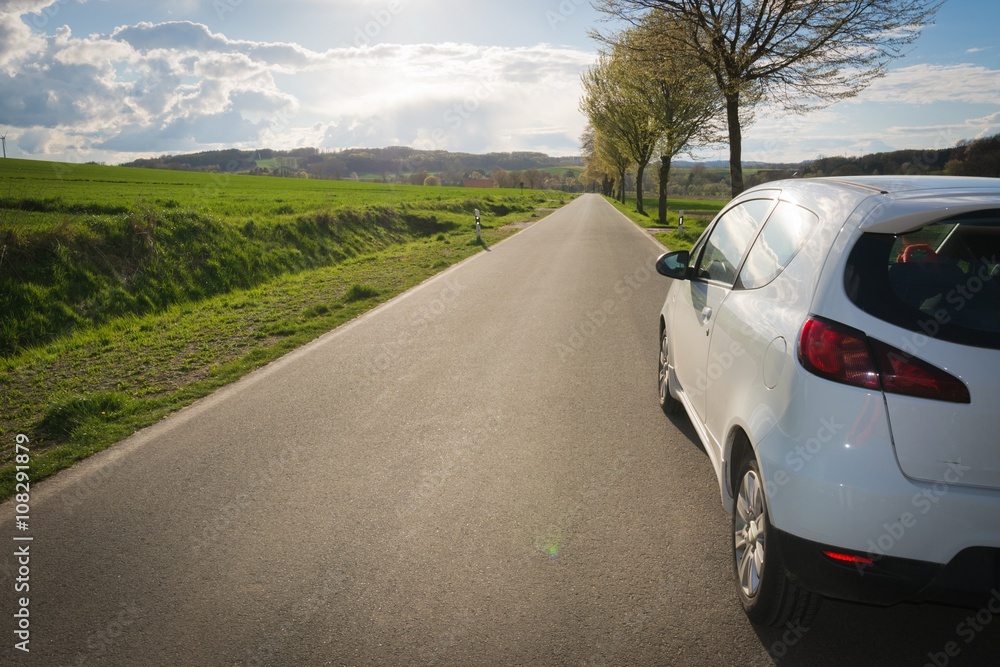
(848, 558)
(843, 354)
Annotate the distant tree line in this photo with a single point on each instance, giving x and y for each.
(396, 164)
(978, 157)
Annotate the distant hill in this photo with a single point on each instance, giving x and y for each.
(392, 164)
(400, 164)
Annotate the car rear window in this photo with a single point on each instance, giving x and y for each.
(942, 281)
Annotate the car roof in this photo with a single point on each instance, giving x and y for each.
(894, 204)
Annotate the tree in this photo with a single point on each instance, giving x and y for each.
(976, 158)
(533, 178)
(680, 93)
(616, 105)
(619, 162)
(432, 181)
(500, 178)
(800, 54)
(595, 172)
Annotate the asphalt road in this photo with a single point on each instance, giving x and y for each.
(476, 473)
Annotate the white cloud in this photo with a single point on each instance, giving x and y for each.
(17, 41)
(927, 84)
(915, 107)
(175, 86)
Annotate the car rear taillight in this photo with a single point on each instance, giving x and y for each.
(843, 354)
(837, 353)
(903, 373)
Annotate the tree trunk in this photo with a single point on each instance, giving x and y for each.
(664, 179)
(621, 185)
(735, 142)
(638, 189)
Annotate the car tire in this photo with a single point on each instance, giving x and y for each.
(768, 597)
(670, 405)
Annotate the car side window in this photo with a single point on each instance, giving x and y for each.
(787, 229)
(729, 240)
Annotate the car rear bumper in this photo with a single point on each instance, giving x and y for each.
(971, 579)
(831, 477)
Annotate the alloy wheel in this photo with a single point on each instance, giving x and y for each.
(749, 533)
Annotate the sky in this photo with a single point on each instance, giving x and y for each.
(115, 80)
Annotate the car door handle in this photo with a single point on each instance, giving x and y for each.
(706, 315)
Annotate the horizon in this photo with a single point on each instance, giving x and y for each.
(718, 162)
(114, 81)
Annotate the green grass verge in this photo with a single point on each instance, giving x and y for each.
(698, 213)
(81, 245)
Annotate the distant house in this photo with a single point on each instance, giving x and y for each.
(478, 183)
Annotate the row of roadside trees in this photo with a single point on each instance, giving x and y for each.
(688, 73)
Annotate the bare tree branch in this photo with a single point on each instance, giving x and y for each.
(800, 54)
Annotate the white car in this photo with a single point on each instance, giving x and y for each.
(836, 345)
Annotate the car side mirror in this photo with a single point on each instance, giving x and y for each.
(674, 265)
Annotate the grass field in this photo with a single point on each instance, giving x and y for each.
(48, 187)
(126, 294)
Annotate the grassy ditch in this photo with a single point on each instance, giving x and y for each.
(111, 320)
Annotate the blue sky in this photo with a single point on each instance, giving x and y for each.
(111, 80)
